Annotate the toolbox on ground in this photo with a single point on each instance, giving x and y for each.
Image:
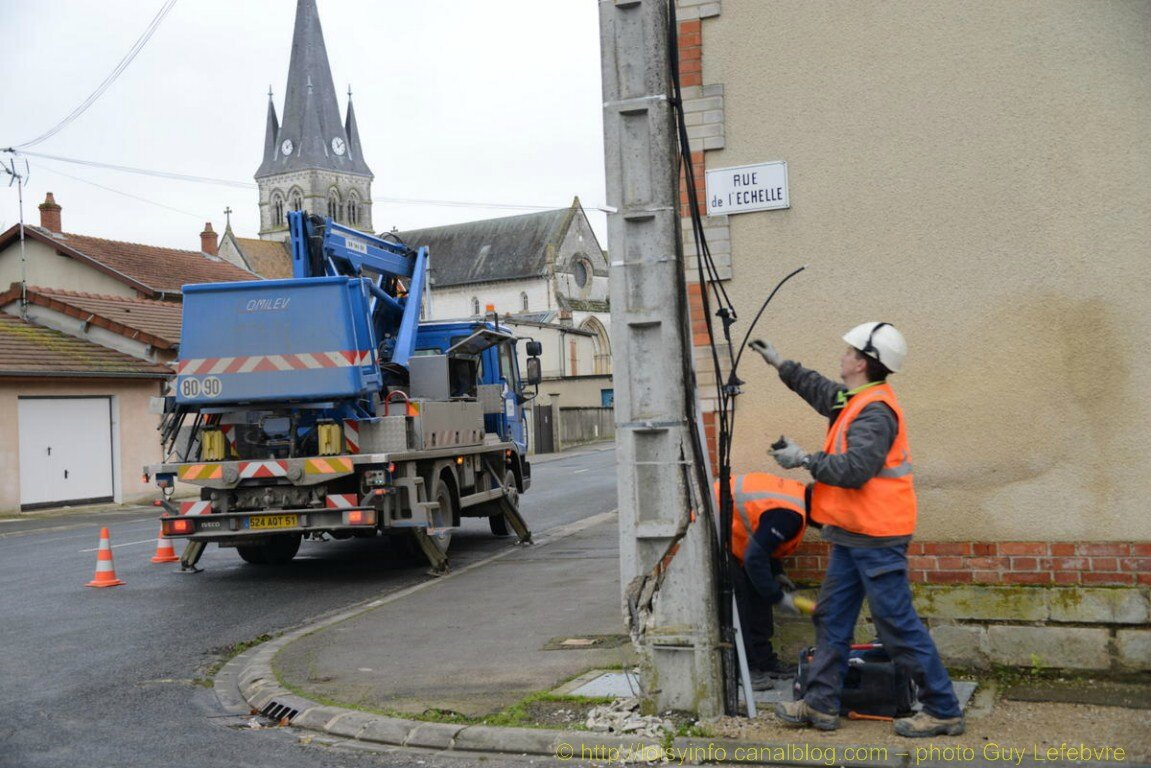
(874, 685)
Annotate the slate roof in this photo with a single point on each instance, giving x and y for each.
(150, 269)
(151, 322)
(508, 248)
(311, 113)
(268, 258)
(32, 350)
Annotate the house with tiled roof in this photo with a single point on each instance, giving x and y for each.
(142, 328)
(52, 257)
(88, 326)
(75, 419)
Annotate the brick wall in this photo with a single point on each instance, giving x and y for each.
(1004, 562)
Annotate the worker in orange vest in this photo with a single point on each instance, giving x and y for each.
(767, 523)
(864, 497)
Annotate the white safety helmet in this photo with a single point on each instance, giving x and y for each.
(879, 341)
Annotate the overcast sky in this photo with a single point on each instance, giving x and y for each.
(456, 101)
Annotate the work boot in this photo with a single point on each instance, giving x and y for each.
(797, 715)
(761, 680)
(923, 725)
(780, 670)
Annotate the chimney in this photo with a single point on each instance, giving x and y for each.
(209, 240)
(50, 214)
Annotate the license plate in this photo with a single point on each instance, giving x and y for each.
(268, 522)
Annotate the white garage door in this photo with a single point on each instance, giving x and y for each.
(65, 450)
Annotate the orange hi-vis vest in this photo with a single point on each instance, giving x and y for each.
(885, 504)
(755, 493)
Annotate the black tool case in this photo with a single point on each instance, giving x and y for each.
(874, 685)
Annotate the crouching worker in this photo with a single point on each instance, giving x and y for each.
(767, 524)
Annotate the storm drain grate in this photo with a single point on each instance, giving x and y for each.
(279, 712)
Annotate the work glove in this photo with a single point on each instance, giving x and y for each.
(788, 455)
(767, 350)
(786, 584)
(794, 605)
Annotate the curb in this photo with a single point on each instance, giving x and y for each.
(247, 684)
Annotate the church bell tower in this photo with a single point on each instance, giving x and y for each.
(312, 160)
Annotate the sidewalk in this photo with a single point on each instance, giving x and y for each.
(427, 666)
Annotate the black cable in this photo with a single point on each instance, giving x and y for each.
(727, 316)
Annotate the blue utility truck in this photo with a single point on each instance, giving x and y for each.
(321, 407)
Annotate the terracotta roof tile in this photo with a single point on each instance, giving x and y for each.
(268, 258)
(161, 320)
(33, 350)
(161, 269)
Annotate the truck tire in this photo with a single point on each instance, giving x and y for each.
(274, 550)
(445, 517)
(252, 553)
(496, 520)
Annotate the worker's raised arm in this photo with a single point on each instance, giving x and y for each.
(820, 392)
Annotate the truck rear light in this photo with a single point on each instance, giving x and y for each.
(176, 526)
(360, 517)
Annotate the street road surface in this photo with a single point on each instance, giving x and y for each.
(121, 676)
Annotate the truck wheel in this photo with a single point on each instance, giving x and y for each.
(252, 553)
(445, 517)
(280, 549)
(496, 520)
(274, 550)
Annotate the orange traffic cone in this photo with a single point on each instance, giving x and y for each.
(165, 553)
(105, 568)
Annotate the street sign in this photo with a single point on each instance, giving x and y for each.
(747, 188)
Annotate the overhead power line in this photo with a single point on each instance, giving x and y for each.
(111, 78)
(58, 172)
(249, 185)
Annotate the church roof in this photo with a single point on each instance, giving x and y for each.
(319, 139)
(508, 248)
(268, 258)
(150, 269)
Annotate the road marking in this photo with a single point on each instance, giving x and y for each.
(578, 471)
(74, 527)
(125, 544)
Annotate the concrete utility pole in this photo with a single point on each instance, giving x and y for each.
(667, 542)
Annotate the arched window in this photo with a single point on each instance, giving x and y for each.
(524, 301)
(475, 306)
(353, 209)
(277, 209)
(296, 200)
(334, 209)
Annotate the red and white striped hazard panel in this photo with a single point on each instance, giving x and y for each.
(250, 469)
(341, 500)
(352, 435)
(303, 361)
(194, 508)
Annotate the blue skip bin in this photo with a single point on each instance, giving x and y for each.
(276, 340)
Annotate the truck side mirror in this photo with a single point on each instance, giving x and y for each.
(535, 375)
(534, 349)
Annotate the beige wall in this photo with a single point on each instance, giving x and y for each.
(575, 392)
(138, 442)
(45, 267)
(978, 174)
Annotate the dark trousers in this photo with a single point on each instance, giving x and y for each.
(755, 619)
(880, 575)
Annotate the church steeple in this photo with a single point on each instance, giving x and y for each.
(271, 132)
(355, 151)
(312, 160)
